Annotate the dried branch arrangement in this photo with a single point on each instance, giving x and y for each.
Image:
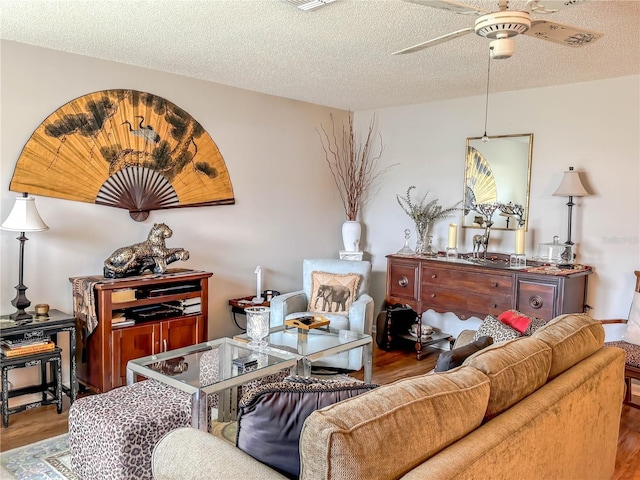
(423, 213)
(355, 167)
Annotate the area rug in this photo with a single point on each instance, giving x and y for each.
(47, 459)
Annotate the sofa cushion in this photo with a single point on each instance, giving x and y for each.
(454, 358)
(333, 292)
(498, 331)
(572, 338)
(515, 368)
(383, 435)
(271, 417)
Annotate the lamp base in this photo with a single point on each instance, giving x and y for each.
(20, 302)
(20, 315)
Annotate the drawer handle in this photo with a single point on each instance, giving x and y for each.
(536, 302)
(433, 295)
(403, 281)
(495, 284)
(495, 305)
(435, 275)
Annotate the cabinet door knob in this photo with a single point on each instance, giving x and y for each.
(435, 275)
(403, 281)
(433, 295)
(536, 302)
(495, 284)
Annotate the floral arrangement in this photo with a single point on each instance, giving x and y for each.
(424, 214)
(420, 212)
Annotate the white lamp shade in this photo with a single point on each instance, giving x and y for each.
(24, 217)
(571, 186)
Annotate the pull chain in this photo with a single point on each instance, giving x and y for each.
(485, 138)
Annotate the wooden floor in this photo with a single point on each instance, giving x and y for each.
(38, 424)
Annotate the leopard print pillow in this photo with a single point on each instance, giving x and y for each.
(498, 331)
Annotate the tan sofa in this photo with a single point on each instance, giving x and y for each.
(546, 406)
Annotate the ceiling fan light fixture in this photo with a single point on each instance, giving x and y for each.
(307, 5)
(503, 24)
(502, 48)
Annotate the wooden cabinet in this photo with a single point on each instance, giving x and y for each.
(471, 289)
(104, 353)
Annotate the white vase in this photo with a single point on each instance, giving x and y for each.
(351, 236)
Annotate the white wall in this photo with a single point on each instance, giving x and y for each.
(591, 126)
(286, 205)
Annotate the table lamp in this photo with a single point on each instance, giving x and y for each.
(570, 186)
(23, 218)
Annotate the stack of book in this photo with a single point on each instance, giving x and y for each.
(119, 319)
(191, 306)
(15, 348)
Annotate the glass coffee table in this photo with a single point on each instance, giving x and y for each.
(314, 344)
(218, 366)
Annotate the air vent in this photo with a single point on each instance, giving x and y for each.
(309, 4)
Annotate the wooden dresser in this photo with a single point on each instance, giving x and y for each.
(470, 289)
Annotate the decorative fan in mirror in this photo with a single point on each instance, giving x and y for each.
(124, 149)
(480, 186)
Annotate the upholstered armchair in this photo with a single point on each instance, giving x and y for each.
(330, 289)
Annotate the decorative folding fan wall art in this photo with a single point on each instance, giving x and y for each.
(124, 149)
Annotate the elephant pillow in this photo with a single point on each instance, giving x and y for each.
(333, 292)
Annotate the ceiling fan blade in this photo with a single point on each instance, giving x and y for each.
(551, 6)
(563, 34)
(450, 6)
(435, 41)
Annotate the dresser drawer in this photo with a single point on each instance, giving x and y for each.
(537, 299)
(467, 303)
(465, 281)
(402, 280)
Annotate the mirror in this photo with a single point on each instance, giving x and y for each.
(497, 171)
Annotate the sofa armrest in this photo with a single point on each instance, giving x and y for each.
(283, 305)
(464, 338)
(190, 454)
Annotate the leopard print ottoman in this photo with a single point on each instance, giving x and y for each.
(112, 435)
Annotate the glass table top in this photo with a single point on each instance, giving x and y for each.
(314, 343)
(213, 365)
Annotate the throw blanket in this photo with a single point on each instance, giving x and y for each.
(84, 301)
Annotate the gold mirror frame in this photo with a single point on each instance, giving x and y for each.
(498, 171)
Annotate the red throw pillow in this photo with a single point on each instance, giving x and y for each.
(515, 320)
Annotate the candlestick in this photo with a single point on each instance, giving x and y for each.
(519, 241)
(258, 298)
(453, 236)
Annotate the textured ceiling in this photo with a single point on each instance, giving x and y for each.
(338, 55)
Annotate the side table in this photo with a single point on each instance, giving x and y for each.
(51, 390)
(43, 326)
(239, 304)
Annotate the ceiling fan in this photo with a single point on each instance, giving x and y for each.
(502, 25)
